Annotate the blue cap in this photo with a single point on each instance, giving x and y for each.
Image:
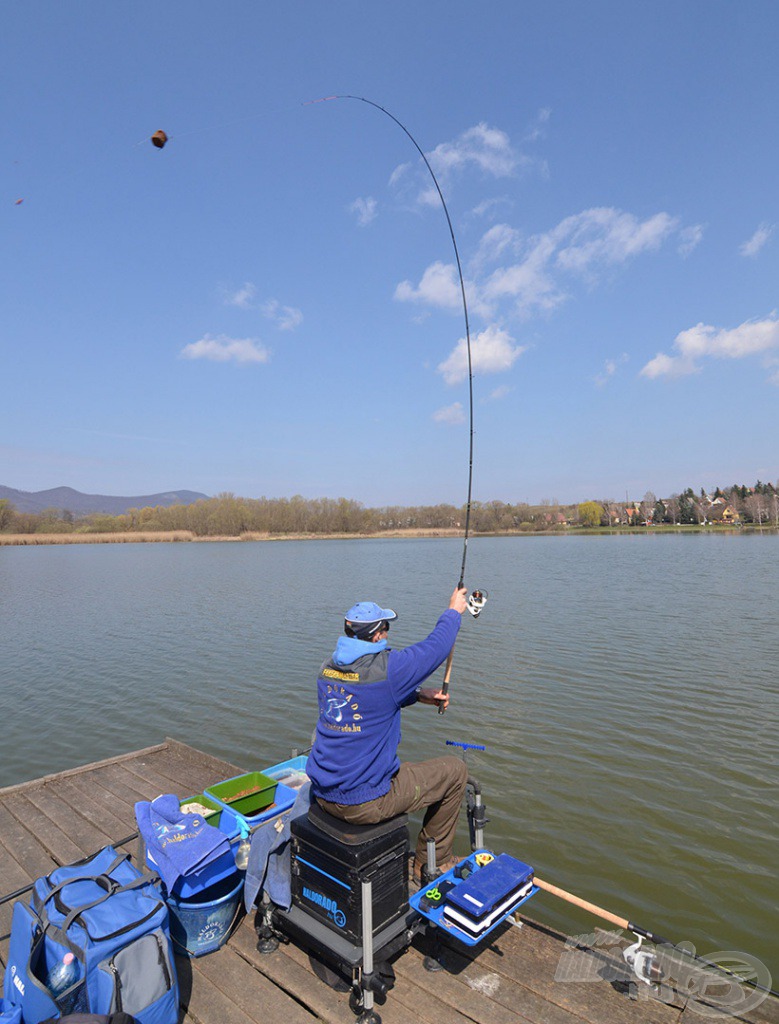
(363, 618)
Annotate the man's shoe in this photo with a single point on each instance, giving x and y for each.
(415, 875)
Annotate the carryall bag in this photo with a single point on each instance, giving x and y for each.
(115, 922)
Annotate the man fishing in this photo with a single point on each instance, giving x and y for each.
(354, 768)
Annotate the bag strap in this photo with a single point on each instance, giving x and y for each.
(39, 902)
(137, 883)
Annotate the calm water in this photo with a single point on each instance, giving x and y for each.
(625, 687)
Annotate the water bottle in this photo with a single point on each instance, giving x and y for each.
(63, 974)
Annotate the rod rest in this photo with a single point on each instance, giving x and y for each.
(352, 835)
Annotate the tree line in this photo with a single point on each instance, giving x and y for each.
(227, 515)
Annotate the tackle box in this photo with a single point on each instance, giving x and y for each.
(469, 909)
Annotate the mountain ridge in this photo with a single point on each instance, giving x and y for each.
(81, 504)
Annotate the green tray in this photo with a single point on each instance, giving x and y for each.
(248, 794)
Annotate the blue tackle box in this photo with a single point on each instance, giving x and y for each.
(471, 908)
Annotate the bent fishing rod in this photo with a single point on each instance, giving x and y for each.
(478, 599)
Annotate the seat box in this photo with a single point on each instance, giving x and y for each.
(327, 876)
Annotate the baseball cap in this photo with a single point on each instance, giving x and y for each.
(364, 618)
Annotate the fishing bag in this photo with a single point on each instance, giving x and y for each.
(115, 922)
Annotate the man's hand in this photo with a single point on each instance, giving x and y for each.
(458, 602)
(431, 695)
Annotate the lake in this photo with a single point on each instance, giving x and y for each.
(625, 688)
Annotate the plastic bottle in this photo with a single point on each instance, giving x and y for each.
(63, 974)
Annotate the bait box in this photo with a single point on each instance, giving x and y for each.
(254, 796)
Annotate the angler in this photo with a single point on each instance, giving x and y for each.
(354, 768)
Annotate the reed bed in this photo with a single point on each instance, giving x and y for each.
(148, 537)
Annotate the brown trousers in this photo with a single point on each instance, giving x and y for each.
(438, 785)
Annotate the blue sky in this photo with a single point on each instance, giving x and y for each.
(268, 304)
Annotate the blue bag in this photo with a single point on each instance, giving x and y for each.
(115, 922)
(10, 1014)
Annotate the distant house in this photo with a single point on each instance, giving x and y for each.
(555, 519)
(724, 514)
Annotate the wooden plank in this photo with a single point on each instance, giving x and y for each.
(125, 787)
(531, 956)
(61, 847)
(182, 770)
(394, 1011)
(22, 786)
(481, 994)
(24, 846)
(203, 1002)
(13, 876)
(96, 805)
(252, 992)
(154, 776)
(300, 982)
(50, 800)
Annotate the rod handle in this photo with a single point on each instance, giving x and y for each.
(577, 901)
(447, 675)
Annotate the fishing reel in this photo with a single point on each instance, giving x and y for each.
(476, 601)
(643, 963)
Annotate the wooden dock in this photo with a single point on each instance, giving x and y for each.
(528, 975)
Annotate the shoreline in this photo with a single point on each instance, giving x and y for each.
(186, 536)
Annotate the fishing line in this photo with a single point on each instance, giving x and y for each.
(418, 148)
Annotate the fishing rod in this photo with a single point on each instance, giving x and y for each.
(27, 888)
(474, 606)
(646, 965)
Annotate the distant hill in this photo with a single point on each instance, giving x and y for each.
(84, 504)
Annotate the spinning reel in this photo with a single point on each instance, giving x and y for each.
(476, 601)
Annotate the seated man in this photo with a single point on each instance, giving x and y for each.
(355, 771)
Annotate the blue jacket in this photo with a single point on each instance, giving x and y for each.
(361, 691)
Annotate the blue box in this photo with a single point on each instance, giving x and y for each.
(470, 932)
(290, 772)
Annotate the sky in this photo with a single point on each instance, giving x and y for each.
(269, 305)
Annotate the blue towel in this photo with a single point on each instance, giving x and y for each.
(269, 866)
(178, 843)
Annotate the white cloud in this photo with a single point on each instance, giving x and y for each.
(488, 205)
(482, 148)
(440, 287)
(754, 244)
(451, 415)
(748, 339)
(365, 209)
(488, 149)
(221, 349)
(243, 297)
(609, 369)
(582, 245)
(494, 244)
(499, 393)
(690, 238)
(286, 318)
(603, 236)
(492, 351)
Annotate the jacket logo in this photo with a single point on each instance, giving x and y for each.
(18, 983)
(334, 701)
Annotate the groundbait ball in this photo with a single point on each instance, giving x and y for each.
(159, 139)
